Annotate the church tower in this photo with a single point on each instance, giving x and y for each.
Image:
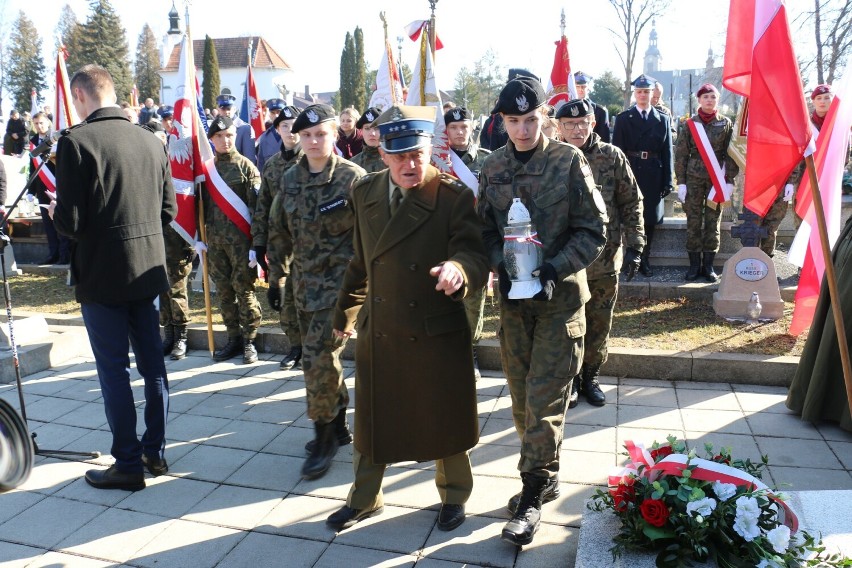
(653, 59)
(172, 37)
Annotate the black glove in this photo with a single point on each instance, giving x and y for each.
(505, 283)
(632, 258)
(547, 276)
(261, 258)
(666, 190)
(274, 297)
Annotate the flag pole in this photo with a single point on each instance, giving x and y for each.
(432, 34)
(831, 279)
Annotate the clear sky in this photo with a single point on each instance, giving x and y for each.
(310, 35)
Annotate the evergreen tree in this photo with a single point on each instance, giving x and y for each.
(212, 83)
(67, 34)
(26, 69)
(147, 64)
(359, 78)
(347, 72)
(104, 43)
(608, 90)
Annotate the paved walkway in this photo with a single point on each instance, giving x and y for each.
(233, 496)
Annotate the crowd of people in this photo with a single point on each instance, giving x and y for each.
(356, 229)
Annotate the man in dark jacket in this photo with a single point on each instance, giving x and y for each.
(114, 194)
(58, 245)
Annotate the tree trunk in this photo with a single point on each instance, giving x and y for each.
(818, 32)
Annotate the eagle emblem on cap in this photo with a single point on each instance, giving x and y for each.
(370, 117)
(457, 115)
(523, 104)
(575, 111)
(220, 124)
(312, 116)
(287, 113)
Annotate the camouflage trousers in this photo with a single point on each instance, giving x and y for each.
(288, 317)
(599, 320)
(541, 346)
(773, 220)
(703, 220)
(326, 391)
(174, 304)
(474, 309)
(229, 269)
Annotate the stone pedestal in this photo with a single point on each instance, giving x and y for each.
(27, 330)
(749, 270)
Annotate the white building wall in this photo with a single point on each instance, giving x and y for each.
(234, 80)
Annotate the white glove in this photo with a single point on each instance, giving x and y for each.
(200, 247)
(681, 193)
(252, 258)
(788, 192)
(730, 188)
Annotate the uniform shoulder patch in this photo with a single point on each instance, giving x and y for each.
(364, 180)
(449, 180)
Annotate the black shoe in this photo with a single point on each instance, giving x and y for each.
(50, 260)
(325, 448)
(521, 529)
(179, 348)
(645, 267)
(550, 493)
(346, 517)
(694, 266)
(341, 430)
(155, 465)
(249, 352)
(168, 339)
(591, 388)
(64, 260)
(574, 397)
(112, 478)
(292, 358)
(450, 516)
(476, 374)
(710, 274)
(231, 349)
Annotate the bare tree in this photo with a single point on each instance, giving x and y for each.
(633, 17)
(832, 27)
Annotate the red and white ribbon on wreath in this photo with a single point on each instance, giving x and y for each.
(720, 192)
(703, 470)
(533, 238)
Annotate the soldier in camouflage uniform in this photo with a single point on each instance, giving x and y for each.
(703, 217)
(174, 304)
(270, 186)
(369, 157)
(459, 127)
(541, 338)
(311, 220)
(623, 199)
(229, 250)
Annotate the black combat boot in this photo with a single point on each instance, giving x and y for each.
(324, 450)
(292, 359)
(574, 397)
(548, 494)
(168, 339)
(591, 388)
(644, 264)
(694, 266)
(527, 518)
(179, 349)
(231, 349)
(341, 430)
(709, 274)
(249, 352)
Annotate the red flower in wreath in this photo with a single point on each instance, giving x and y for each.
(622, 494)
(654, 511)
(722, 459)
(661, 452)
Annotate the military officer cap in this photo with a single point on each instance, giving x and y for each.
(166, 111)
(275, 104)
(706, 88)
(287, 113)
(313, 115)
(575, 108)
(457, 114)
(515, 73)
(820, 90)
(219, 124)
(403, 128)
(225, 100)
(520, 96)
(369, 116)
(643, 82)
(581, 78)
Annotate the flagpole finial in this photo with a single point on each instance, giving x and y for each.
(186, 4)
(562, 22)
(432, 6)
(384, 23)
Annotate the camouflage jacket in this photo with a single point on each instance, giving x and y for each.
(311, 220)
(623, 199)
(369, 159)
(688, 163)
(270, 185)
(243, 178)
(558, 189)
(473, 157)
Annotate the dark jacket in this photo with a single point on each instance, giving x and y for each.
(601, 122)
(114, 195)
(493, 133)
(415, 390)
(38, 188)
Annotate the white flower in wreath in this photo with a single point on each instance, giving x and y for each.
(702, 507)
(779, 538)
(724, 491)
(764, 563)
(745, 523)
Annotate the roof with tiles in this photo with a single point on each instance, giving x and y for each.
(232, 52)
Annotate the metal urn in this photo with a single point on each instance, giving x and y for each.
(522, 252)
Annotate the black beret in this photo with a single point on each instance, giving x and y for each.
(456, 114)
(287, 113)
(313, 115)
(514, 73)
(576, 108)
(520, 96)
(370, 115)
(219, 123)
(153, 126)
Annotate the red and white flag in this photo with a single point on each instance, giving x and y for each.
(64, 115)
(760, 64)
(414, 29)
(251, 104)
(561, 87)
(134, 97)
(388, 84)
(829, 161)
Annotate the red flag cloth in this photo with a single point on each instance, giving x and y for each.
(254, 114)
(64, 115)
(183, 147)
(760, 64)
(561, 79)
(414, 28)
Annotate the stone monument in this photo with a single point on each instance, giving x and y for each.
(748, 271)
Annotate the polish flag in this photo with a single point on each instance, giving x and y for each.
(829, 160)
(760, 64)
(251, 111)
(414, 29)
(561, 88)
(64, 115)
(388, 84)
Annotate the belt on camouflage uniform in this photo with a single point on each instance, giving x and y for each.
(643, 155)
